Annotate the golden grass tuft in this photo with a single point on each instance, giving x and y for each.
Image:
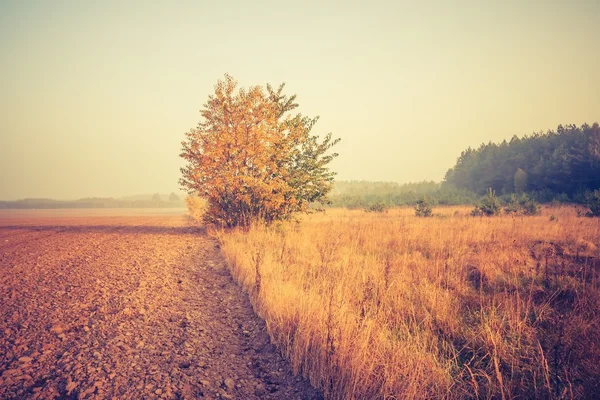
(197, 207)
(393, 306)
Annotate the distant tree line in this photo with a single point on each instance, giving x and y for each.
(364, 194)
(562, 164)
(95, 202)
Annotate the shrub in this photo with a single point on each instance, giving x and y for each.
(562, 198)
(529, 206)
(377, 207)
(512, 205)
(490, 205)
(423, 208)
(524, 205)
(592, 201)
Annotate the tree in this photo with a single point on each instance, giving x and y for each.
(520, 181)
(173, 197)
(156, 197)
(594, 142)
(251, 159)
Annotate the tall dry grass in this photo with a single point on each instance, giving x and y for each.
(393, 306)
(197, 207)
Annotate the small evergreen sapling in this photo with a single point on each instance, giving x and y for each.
(490, 205)
(423, 208)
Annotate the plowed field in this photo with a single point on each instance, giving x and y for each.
(98, 305)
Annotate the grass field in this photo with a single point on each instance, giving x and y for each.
(388, 305)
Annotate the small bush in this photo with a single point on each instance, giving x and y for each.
(553, 218)
(529, 206)
(490, 205)
(423, 208)
(592, 201)
(560, 199)
(512, 206)
(524, 205)
(377, 207)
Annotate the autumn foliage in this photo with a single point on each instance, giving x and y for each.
(251, 159)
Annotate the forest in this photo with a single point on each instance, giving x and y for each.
(563, 164)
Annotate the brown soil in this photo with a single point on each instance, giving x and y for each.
(127, 307)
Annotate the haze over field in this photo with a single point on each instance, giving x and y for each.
(95, 97)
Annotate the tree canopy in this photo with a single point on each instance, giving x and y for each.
(565, 161)
(250, 158)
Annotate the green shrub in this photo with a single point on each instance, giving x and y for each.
(524, 205)
(423, 208)
(529, 206)
(490, 205)
(592, 201)
(561, 198)
(512, 205)
(377, 207)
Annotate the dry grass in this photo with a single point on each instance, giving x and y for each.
(197, 207)
(392, 306)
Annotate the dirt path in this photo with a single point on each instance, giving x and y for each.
(128, 307)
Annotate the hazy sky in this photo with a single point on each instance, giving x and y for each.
(95, 97)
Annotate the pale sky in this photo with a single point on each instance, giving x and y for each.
(95, 96)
